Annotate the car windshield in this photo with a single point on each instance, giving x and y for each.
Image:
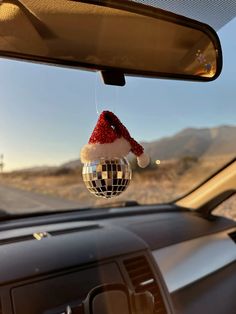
(48, 113)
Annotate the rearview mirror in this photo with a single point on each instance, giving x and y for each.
(113, 36)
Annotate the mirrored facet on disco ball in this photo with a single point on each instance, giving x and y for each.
(107, 177)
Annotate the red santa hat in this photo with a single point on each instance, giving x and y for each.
(111, 139)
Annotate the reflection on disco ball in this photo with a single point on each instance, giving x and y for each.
(107, 178)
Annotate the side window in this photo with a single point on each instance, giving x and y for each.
(227, 208)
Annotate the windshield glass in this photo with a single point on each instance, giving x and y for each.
(48, 114)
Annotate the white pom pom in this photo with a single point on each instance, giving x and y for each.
(143, 160)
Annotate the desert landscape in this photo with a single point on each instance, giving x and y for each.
(184, 161)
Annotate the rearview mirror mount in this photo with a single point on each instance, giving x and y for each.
(116, 37)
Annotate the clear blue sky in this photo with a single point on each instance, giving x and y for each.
(48, 113)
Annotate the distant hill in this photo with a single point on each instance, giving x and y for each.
(195, 142)
(190, 142)
(73, 164)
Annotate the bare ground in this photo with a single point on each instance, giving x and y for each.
(156, 185)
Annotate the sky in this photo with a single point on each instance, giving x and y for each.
(48, 113)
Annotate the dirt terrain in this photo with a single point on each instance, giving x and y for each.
(157, 184)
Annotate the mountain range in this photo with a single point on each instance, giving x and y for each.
(204, 142)
(190, 142)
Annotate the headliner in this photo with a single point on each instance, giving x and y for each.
(215, 13)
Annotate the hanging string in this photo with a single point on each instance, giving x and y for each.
(113, 100)
(116, 103)
(95, 94)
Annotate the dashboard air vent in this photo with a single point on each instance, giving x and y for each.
(142, 278)
(233, 236)
(45, 234)
(16, 239)
(72, 230)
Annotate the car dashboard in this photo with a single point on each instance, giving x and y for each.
(49, 263)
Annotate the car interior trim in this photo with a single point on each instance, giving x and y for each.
(187, 262)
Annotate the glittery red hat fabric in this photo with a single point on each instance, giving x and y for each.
(109, 128)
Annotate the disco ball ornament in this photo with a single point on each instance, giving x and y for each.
(107, 178)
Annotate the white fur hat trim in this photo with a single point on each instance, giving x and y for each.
(91, 152)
